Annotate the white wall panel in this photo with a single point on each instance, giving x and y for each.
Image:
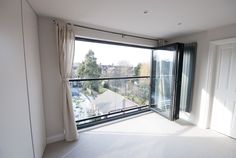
(32, 58)
(15, 135)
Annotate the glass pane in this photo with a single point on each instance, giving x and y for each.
(187, 76)
(163, 80)
(98, 97)
(96, 60)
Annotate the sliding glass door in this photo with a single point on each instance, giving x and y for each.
(166, 80)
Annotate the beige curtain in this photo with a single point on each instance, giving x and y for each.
(65, 48)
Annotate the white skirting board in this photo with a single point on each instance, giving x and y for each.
(55, 138)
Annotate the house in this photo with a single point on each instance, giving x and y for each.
(190, 109)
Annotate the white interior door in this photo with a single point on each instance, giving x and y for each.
(224, 100)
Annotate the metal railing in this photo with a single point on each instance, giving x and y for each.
(107, 78)
(113, 114)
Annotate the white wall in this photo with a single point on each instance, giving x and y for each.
(52, 84)
(51, 80)
(17, 108)
(15, 135)
(32, 58)
(50, 72)
(94, 34)
(199, 112)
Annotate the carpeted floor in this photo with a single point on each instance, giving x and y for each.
(146, 136)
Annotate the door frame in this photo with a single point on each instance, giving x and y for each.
(211, 74)
(177, 71)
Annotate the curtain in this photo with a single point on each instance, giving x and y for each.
(65, 48)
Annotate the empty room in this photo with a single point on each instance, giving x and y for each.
(118, 79)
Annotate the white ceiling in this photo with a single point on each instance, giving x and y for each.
(128, 16)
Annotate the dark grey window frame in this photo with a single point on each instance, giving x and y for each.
(190, 52)
(119, 114)
(122, 113)
(177, 71)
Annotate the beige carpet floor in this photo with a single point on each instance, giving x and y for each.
(146, 136)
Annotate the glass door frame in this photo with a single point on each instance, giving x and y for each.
(146, 108)
(176, 80)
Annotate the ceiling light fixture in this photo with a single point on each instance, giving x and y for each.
(179, 23)
(145, 12)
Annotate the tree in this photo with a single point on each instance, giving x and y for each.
(90, 69)
(144, 69)
(122, 69)
(137, 69)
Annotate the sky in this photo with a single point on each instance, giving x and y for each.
(108, 54)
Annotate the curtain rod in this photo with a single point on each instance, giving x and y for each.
(112, 32)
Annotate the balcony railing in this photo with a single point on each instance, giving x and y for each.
(104, 99)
